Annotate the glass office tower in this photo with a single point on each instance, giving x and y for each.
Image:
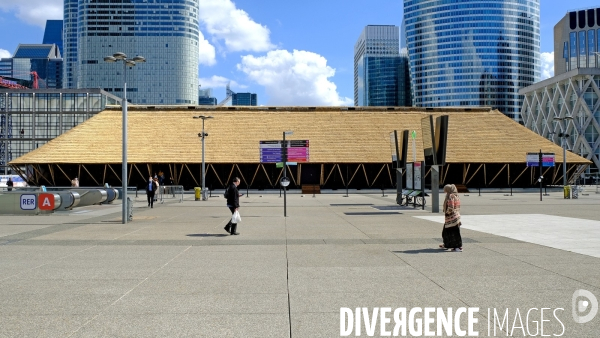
(471, 52)
(70, 18)
(53, 34)
(165, 32)
(380, 72)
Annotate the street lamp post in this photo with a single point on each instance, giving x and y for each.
(563, 136)
(126, 62)
(203, 135)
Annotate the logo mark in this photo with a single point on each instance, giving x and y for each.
(580, 306)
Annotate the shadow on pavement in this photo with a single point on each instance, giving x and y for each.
(207, 235)
(419, 251)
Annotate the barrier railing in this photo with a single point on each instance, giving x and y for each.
(166, 192)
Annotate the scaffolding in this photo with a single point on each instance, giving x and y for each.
(5, 134)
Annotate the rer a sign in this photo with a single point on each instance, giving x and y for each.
(46, 202)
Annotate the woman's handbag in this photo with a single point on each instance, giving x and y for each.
(236, 218)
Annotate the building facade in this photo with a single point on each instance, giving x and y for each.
(576, 40)
(165, 32)
(243, 99)
(70, 24)
(53, 34)
(31, 118)
(472, 53)
(45, 60)
(205, 97)
(380, 72)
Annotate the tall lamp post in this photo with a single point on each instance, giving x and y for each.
(116, 57)
(563, 136)
(203, 135)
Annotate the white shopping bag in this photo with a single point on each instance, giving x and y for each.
(236, 218)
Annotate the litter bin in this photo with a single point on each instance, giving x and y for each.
(574, 192)
(567, 191)
(205, 194)
(197, 191)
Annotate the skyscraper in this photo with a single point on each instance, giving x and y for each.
(471, 52)
(576, 40)
(70, 20)
(165, 32)
(243, 99)
(53, 34)
(380, 72)
(44, 60)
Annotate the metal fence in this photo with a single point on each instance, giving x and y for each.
(166, 192)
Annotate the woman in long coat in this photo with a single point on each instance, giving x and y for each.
(451, 232)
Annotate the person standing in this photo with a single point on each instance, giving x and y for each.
(233, 203)
(451, 231)
(75, 183)
(9, 184)
(151, 188)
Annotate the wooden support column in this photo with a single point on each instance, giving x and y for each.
(498, 173)
(139, 172)
(377, 176)
(355, 171)
(330, 172)
(210, 166)
(475, 173)
(52, 174)
(521, 174)
(390, 174)
(190, 171)
(62, 171)
(342, 176)
(366, 177)
(104, 176)
(322, 175)
(255, 173)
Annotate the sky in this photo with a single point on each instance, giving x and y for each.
(288, 52)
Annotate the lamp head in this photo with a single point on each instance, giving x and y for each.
(120, 56)
(139, 58)
(130, 63)
(110, 59)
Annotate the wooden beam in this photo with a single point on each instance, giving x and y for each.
(377, 176)
(52, 174)
(180, 173)
(194, 178)
(299, 174)
(230, 174)
(504, 166)
(291, 176)
(331, 172)
(521, 174)
(475, 173)
(216, 174)
(485, 175)
(104, 176)
(322, 174)
(62, 171)
(342, 176)
(266, 174)
(365, 171)
(117, 176)
(241, 174)
(355, 171)
(39, 174)
(255, 173)
(389, 173)
(139, 172)
(129, 172)
(447, 170)
(92, 176)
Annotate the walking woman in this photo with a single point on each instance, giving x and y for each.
(451, 232)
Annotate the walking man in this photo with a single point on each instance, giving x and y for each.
(233, 203)
(9, 184)
(151, 187)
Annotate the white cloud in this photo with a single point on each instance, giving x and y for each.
(547, 65)
(207, 52)
(216, 81)
(300, 78)
(34, 12)
(225, 22)
(5, 54)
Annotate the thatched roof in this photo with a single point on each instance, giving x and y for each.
(168, 134)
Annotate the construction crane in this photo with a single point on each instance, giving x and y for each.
(36, 78)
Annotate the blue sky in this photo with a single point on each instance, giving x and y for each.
(288, 52)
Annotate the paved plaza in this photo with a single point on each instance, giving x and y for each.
(173, 272)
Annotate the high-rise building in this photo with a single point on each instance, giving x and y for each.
(380, 72)
(53, 34)
(472, 52)
(43, 60)
(205, 97)
(70, 24)
(243, 99)
(165, 32)
(564, 108)
(576, 41)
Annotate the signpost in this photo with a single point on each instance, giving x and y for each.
(540, 160)
(272, 151)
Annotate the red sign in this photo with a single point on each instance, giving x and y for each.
(46, 202)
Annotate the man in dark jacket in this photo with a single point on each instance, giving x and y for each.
(151, 188)
(9, 184)
(233, 203)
